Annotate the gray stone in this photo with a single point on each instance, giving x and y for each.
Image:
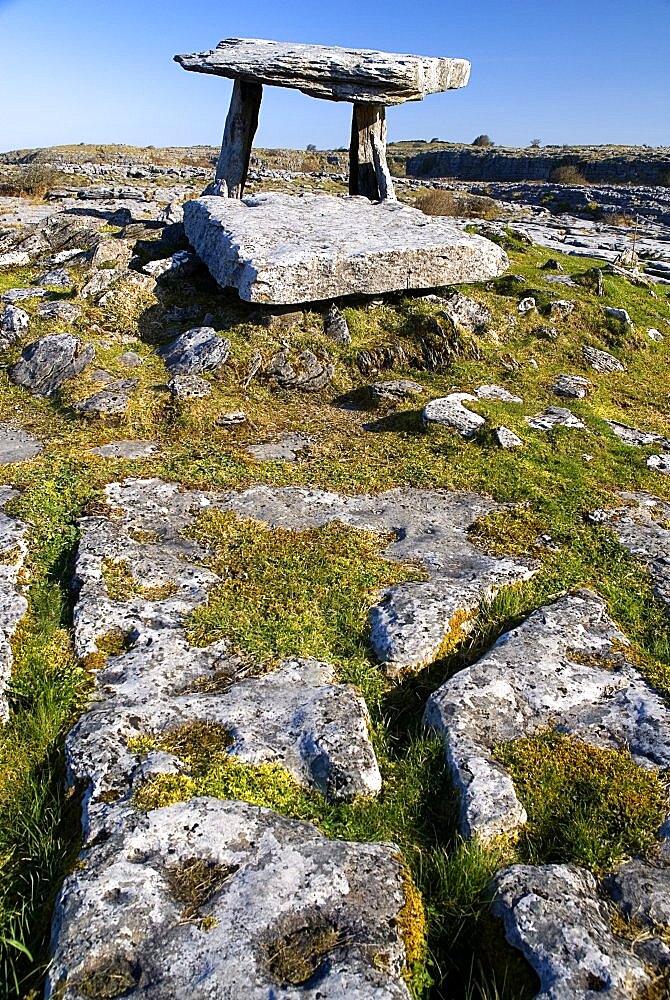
(14, 295)
(111, 401)
(467, 312)
(126, 449)
(130, 359)
(112, 251)
(232, 419)
(618, 314)
(601, 361)
(331, 72)
(555, 916)
(288, 448)
(268, 882)
(571, 386)
(56, 278)
(307, 374)
(179, 264)
(555, 416)
(507, 438)
(561, 309)
(642, 891)
(189, 387)
(636, 438)
(527, 305)
(450, 412)
(655, 335)
(335, 326)
(196, 351)
(14, 258)
(565, 667)
(101, 281)
(659, 463)
(283, 249)
(17, 445)
(13, 605)
(14, 322)
(497, 394)
(64, 312)
(48, 362)
(394, 391)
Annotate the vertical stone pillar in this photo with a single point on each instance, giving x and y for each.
(238, 136)
(369, 174)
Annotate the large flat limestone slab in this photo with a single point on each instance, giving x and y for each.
(284, 249)
(331, 72)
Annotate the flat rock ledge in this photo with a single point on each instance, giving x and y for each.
(13, 605)
(267, 887)
(564, 667)
(284, 249)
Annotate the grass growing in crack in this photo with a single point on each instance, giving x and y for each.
(589, 806)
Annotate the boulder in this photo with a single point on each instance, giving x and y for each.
(450, 412)
(48, 362)
(110, 401)
(497, 394)
(14, 295)
(636, 438)
(283, 249)
(55, 278)
(621, 315)
(659, 463)
(571, 386)
(196, 351)
(601, 361)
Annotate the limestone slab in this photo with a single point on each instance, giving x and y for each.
(13, 605)
(285, 249)
(330, 72)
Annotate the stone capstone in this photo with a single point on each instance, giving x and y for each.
(556, 669)
(331, 72)
(196, 351)
(48, 362)
(283, 249)
(13, 605)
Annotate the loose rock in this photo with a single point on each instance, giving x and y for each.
(571, 386)
(48, 362)
(308, 374)
(394, 391)
(14, 322)
(189, 387)
(601, 361)
(471, 315)
(13, 605)
(196, 351)
(64, 312)
(288, 448)
(497, 393)
(335, 326)
(555, 416)
(507, 438)
(17, 445)
(450, 412)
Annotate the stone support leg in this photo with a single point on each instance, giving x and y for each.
(369, 174)
(238, 136)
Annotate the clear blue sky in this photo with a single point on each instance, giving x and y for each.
(579, 71)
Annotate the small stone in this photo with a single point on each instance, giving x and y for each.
(108, 402)
(14, 258)
(233, 419)
(507, 438)
(48, 362)
(394, 391)
(450, 412)
(636, 438)
(467, 313)
(561, 309)
(126, 449)
(621, 315)
(601, 361)
(655, 335)
(546, 332)
(571, 386)
(659, 463)
(553, 265)
(527, 305)
(189, 387)
(308, 374)
(101, 375)
(14, 295)
(179, 264)
(101, 281)
(497, 394)
(64, 312)
(555, 416)
(196, 351)
(130, 359)
(57, 278)
(17, 445)
(335, 326)
(115, 251)
(288, 448)
(14, 322)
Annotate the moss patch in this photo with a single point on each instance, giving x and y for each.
(195, 881)
(299, 946)
(122, 586)
(585, 805)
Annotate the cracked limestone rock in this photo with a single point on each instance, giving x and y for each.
(219, 900)
(497, 394)
(189, 387)
(554, 915)
(196, 351)
(305, 374)
(394, 391)
(601, 361)
(450, 412)
(288, 448)
(555, 416)
(14, 322)
(636, 438)
(572, 386)
(466, 312)
(110, 401)
(284, 249)
(659, 463)
(48, 362)
(13, 605)
(17, 445)
(126, 449)
(564, 667)
(507, 438)
(64, 312)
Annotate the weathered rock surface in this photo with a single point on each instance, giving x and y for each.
(565, 667)
(196, 351)
(659, 463)
(636, 438)
(467, 312)
(507, 438)
(331, 72)
(571, 386)
(14, 322)
(304, 373)
(497, 394)
(17, 445)
(450, 412)
(57, 277)
(641, 525)
(48, 362)
(555, 916)
(283, 249)
(394, 391)
(601, 361)
(13, 605)
(14, 295)
(113, 400)
(555, 416)
(126, 449)
(288, 448)
(64, 312)
(265, 883)
(189, 387)
(335, 326)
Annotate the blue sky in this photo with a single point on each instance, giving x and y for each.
(579, 71)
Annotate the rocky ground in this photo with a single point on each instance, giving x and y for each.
(335, 652)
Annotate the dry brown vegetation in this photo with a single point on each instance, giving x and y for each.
(458, 204)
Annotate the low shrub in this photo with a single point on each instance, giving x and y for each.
(567, 173)
(454, 203)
